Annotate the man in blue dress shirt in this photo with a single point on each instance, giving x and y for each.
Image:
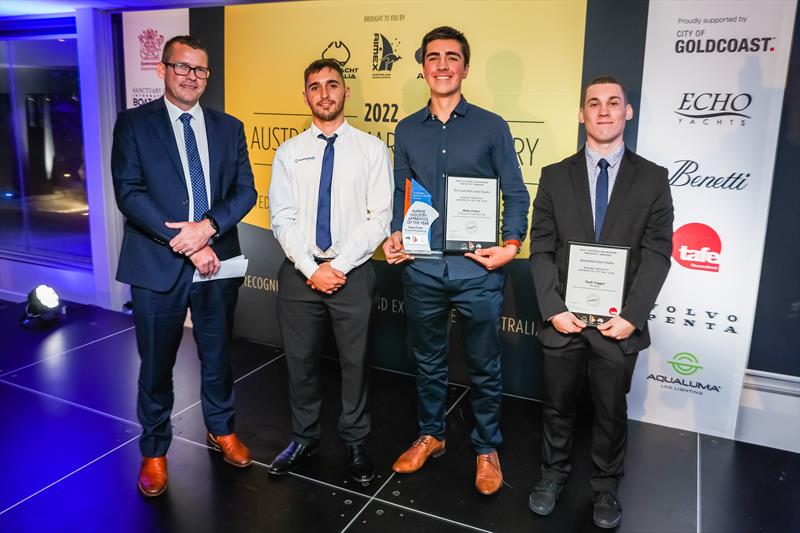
(451, 136)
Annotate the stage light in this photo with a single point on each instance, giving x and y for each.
(43, 306)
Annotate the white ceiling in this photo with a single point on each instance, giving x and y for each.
(13, 8)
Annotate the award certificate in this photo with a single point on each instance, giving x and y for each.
(595, 284)
(472, 207)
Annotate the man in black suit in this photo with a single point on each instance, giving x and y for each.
(182, 178)
(608, 195)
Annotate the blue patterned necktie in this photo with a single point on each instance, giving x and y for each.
(600, 198)
(324, 199)
(199, 195)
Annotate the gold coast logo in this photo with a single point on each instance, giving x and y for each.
(684, 364)
(339, 52)
(150, 42)
(383, 56)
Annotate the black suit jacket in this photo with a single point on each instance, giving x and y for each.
(151, 189)
(639, 216)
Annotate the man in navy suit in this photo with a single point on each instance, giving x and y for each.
(182, 178)
(608, 195)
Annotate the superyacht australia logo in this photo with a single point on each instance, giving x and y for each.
(339, 52)
(697, 247)
(714, 109)
(684, 366)
(384, 56)
(150, 43)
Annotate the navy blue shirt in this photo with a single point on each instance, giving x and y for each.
(472, 142)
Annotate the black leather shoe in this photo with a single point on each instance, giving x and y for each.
(607, 511)
(361, 467)
(542, 500)
(291, 457)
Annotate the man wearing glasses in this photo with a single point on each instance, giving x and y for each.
(182, 178)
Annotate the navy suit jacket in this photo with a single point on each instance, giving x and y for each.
(639, 216)
(151, 189)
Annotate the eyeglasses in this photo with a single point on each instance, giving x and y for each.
(182, 69)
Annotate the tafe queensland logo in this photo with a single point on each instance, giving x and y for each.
(697, 247)
(339, 52)
(383, 56)
(150, 42)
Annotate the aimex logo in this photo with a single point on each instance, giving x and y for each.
(714, 109)
(685, 363)
(697, 247)
(339, 52)
(383, 55)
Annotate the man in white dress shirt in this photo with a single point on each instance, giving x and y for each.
(331, 204)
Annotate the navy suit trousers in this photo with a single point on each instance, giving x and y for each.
(159, 318)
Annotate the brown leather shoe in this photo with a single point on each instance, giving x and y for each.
(153, 476)
(489, 477)
(413, 458)
(233, 450)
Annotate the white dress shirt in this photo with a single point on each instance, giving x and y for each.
(361, 197)
(198, 124)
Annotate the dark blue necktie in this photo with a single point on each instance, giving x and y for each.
(324, 199)
(600, 198)
(199, 195)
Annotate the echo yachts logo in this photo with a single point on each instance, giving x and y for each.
(714, 109)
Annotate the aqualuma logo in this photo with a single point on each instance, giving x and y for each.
(384, 55)
(684, 364)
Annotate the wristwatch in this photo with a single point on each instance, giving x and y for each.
(515, 242)
(213, 225)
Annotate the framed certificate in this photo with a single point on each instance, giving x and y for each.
(472, 205)
(595, 286)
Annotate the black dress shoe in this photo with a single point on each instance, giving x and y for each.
(542, 500)
(607, 511)
(291, 457)
(361, 467)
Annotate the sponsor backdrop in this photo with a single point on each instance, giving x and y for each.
(712, 92)
(377, 43)
(145, 33)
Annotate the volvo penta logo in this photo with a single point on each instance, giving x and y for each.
(684, 363)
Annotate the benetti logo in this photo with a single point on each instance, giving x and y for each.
(685, 364)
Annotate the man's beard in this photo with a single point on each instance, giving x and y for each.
(331, 114)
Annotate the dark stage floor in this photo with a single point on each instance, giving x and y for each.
(67, 409)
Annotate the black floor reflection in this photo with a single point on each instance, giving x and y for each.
(67, 406)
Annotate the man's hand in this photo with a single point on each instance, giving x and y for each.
(393, 249)
(494, 257)
(326, 279)
(205, 261)
(193, 237)
(617, 328)
(567, 323)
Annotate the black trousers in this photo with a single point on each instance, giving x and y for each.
(302, 313)
(609, 373)
(159, 318)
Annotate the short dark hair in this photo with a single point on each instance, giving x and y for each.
(600, 81)
(319, 64)
(446, 32)
(188, 40)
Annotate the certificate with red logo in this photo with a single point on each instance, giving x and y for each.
(472, 204)
(595, 285)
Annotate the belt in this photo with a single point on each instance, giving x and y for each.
(320, 260)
